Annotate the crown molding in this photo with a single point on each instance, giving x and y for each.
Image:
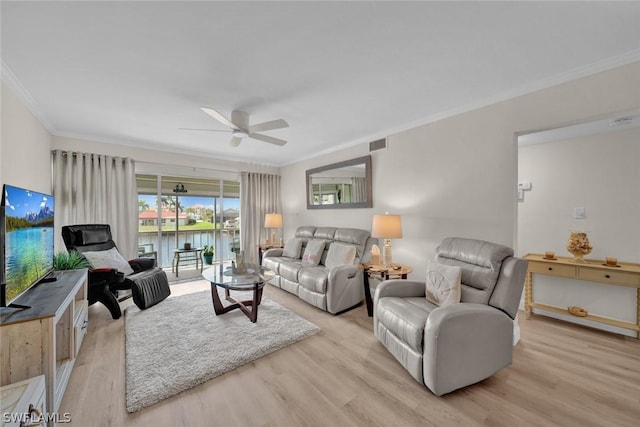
(24, 96)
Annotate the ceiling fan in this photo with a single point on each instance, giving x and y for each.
(240, 128)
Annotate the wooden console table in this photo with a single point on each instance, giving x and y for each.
(46, 338)
(627, 274)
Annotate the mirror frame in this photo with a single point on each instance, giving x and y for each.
(366, 160)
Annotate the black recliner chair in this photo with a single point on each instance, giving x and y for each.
(148, 284)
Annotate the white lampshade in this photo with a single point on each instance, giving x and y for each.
(386, 226)
(273, 220)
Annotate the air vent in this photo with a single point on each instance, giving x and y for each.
(378, 144)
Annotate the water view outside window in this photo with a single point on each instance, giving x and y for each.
(208, 213)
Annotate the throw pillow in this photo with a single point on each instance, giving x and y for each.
(340, 254)
(110, 258)
(443, 284)
(292, 248)
(313, 252)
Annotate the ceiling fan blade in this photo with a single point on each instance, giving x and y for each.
(219, 117)
(235, 141)
(273, 124)
(269, 139)
(207, 130)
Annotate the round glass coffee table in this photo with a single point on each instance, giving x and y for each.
(253, 279)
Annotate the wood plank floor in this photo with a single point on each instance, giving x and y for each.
(562, 375)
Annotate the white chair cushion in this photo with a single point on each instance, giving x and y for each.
(443, 284)
(313, 252)
(340, 254)
(292, 248)
(110, 258)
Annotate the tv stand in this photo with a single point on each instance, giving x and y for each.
(46, 339)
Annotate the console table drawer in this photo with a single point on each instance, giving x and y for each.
(553, 269)
(617, 277)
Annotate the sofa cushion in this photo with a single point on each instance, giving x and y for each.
(443, 283)
(273, 263)
(289, 270)
(314, 278)
(292, 248)
(355, 237)
(326, 233)
(305, 231)
(340, 254)
(313, 252)
(110, 258)
(405, 318)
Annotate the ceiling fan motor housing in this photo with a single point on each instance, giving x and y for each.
(241, 120)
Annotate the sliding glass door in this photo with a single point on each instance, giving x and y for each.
(174, 210)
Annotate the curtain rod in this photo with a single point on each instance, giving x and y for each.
(75, 154)
(194, 168)
(188, 167)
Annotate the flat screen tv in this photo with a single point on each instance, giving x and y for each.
(27, 238)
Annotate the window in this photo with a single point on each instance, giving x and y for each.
(208, 213)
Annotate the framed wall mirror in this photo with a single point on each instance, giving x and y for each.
(341, 185)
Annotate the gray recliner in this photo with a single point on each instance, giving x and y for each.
(456, 345)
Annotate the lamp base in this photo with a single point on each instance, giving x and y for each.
(386, 253)
(274, 237)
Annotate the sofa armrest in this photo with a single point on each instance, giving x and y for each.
(399, 288)
(395, 288)
(344, 288)
(272, 252)
(465, 343)
(342, 273)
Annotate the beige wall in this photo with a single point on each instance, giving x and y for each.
(24, 149)
(457, 176)
(602, 174)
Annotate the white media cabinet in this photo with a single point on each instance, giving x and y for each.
(45, 339)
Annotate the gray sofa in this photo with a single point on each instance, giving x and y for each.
(452, 346)
(330, 287)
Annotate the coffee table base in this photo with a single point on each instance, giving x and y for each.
(242, 305)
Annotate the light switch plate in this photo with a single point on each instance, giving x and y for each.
(524, 185)
(579, 213)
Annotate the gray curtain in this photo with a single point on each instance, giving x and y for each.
(259, 195)
(96, 189)
(359, 186)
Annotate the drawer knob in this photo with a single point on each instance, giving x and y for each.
(550, 268)
(607, 276)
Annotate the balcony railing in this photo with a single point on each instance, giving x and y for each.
(222, 240)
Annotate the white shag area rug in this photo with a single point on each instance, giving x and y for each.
(181, 343)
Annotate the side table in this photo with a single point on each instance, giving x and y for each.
(381, 273)
(193, 255)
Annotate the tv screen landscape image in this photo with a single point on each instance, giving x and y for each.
(28, 238)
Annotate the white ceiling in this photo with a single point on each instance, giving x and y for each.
(339, 72)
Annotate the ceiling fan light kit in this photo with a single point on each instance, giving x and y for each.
(240, 128)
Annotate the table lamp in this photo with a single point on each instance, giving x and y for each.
(386, 227)
(273, 221)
